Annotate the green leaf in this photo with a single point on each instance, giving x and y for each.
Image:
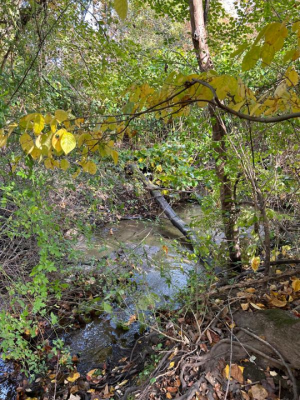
(107, 307)
(68, 142)
(121, 7)
(251, 58)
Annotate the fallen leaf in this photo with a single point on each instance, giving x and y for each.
(250, 290)
(73, 397)
(273, 373)
(245, 306)
(296, 285)
(209, 336)
(131, 320)
(171, 365)
(173, 354)
(258, 392)
(169, 396)
(236, 372)
(255, 306)
(245, 395)
(278, 303)
(73, 377)
(172, 389)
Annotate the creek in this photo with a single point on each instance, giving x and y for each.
(161, 271)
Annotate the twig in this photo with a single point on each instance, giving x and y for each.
(223, 289)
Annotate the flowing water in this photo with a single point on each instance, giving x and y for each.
(160, 269)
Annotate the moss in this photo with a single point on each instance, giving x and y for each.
(280, 318)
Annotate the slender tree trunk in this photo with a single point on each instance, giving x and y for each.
(228, 206)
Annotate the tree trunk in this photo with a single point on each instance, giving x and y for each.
(228, 207)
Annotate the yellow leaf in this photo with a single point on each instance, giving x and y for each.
(255, 262)
(67, 124)
(171, 365)
(90, 167)
(68, 142)
(61, 115)
(115, 156)
(35, 153)
(91, 373)
(296, 285)
(159, 168)
(64, 164)
(26, 143)
(56, 140)
(79, 121)
(292, 77)
(48, 163)
(73, 377)
(38, 124)
(267, 54)
(275, 30)
(76, 173)
(53, 125)
(48, 119)
(226, 371)
(84, 138)
(121, 7)
(168, 395)
(3, 138)
(280, 90)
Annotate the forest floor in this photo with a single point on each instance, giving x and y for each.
(205, 351)
(242, 343)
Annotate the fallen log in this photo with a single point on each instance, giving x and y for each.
(133, 169)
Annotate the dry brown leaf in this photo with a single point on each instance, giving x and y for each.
(250, 290)
(209, 336)
(245, 395)
(277, 302)
(131, 320)
(236, 372)
(168, 396)
(258, 392)
(245, 306)
(172, 389)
